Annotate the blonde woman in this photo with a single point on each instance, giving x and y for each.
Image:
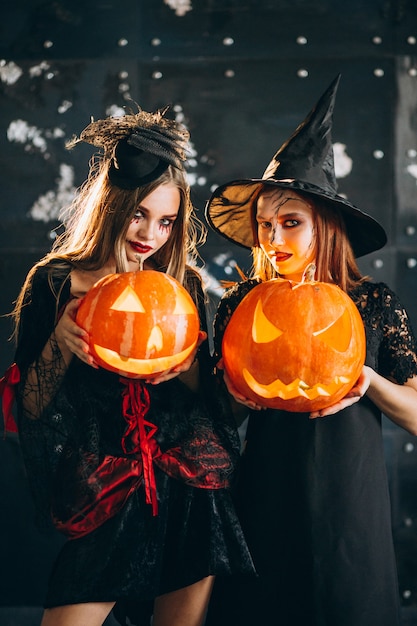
(143, 540)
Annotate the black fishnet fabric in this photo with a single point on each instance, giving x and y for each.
(70, 419)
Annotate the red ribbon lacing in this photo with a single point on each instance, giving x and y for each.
(138, 437)
(7, 393)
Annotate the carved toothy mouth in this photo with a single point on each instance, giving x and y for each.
(297, 388)
(141, 367)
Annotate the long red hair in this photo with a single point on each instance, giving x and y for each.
(335, 260)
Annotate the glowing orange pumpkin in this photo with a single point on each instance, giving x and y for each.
(139, 323)
(294, 346)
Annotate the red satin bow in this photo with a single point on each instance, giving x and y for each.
(7, 392)
(113, 481)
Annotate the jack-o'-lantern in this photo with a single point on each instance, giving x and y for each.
(140, 324)
(294, 346)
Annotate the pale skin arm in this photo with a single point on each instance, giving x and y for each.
(397, 402)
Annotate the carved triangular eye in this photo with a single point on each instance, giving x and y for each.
(338, 334)
(128, 301)
(182, 305)
(263, 331)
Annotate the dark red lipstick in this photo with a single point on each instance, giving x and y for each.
(140, 248)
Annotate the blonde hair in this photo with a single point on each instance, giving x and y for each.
(335, 260)
(97, 221)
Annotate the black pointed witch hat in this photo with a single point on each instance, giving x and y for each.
(304, 163)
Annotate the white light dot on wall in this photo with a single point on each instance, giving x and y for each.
(123, 75)
(406, 594)
(64, 106)
(156, 41)
(302, 73)
(228, 41)
(379, 72)
(410, 231)
(48, 44)
(122, 42)
(378, 264)
(408, 447)
(229, 73)
(378, 154)
(412, 40)
(301, 40)
(412, 72)
(412, 153)
(408, 522)
(411, 263)
(156, 75)
(377, 40)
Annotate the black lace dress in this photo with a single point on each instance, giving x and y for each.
(313, 497)
(146, 511)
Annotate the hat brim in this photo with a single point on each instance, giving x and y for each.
(230, 213)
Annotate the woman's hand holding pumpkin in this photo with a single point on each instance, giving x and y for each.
(234, 392)
(71, 338)
(183, 368)
(355, 394)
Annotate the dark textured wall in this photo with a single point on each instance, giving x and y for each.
(242, 75)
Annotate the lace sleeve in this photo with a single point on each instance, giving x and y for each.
(398, 351)
(228, 303)
(388, 325)
(38, 356)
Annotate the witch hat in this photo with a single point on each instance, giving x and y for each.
(304, 163)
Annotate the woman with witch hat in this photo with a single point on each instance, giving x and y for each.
(312, 492)
(135, 474)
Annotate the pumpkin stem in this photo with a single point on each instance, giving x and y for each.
(139, 258)
(309, 273)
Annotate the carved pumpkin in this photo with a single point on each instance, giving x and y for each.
(139, 323)
(294, 346)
